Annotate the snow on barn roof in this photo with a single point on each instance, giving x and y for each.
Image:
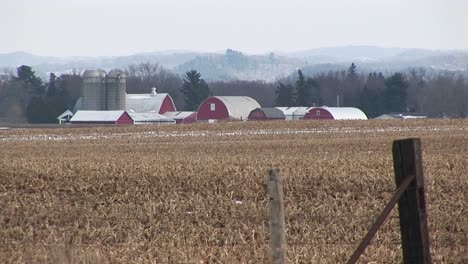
(97, 116)
(65, 114)
(150, 117)
(291, 110)
(143, 103)
(239, 107)
(179, 114)
(301, 111)
(344, 113)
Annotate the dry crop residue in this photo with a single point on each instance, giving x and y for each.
(197, 193)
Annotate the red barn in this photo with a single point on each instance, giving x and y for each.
(154, 102)
(117, 117)
(226, 108)
(182, 117)
(335, 113)
(266, 114)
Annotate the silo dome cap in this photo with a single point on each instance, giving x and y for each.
(94, 73)
(116, 73)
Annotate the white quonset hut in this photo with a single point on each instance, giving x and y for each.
(335, 113)
(226, 108)
(154, 102)
(293, 113)
(151, 119)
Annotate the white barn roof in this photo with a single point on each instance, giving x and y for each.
(345, 113)
(290, 110)
(141, 103)
(65, 114)
(97, 116)
(179, 114)
(150, 117)
(239, 107)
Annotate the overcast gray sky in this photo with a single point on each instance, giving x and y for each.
(121, 27)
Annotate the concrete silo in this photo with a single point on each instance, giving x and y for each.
(115, 90)
(93, 90)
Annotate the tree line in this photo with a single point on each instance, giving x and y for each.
(25, 97)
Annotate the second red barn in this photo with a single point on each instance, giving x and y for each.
(226, 108)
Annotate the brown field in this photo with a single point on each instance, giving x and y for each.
(197, 193)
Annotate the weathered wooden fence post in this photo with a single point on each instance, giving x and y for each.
(276, 217)
(407, 162)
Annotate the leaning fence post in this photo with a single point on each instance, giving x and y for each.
(276, 217)
(407, 162)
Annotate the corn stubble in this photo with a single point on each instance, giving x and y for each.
(202, 199)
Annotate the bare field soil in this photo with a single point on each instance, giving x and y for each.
(197, 193)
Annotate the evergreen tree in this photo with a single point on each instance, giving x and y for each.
(371, 102)
(315, 97)
(302, 90)
(285, 95)
(51, 88)
(36, 112)
(352, 71)
(32, 83)
(395, 93)
(195, 90)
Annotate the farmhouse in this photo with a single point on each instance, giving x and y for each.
(335, 113)
(226, 108)
(293, 113)
(154, 102)
(150, 119)
(266, 114)
(115, 117)
(182, 117)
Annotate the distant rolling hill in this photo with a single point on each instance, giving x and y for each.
(235, 65)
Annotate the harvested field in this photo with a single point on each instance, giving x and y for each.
(197, 193)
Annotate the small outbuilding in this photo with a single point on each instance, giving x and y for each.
(150, 119)
(262, 114)
(65, 117)
(401, 116)
(116, 117)
(226, 108)
(335, 113)
(293, 113)
(154, 102)
(182, 117)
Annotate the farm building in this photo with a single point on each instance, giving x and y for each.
(226, 107)
(182, 117)
(150, 119)
(259, 114)
(115, 117)
(401, 116)
(154, 102)
(335, 113)
(289, 112)
(65, 117)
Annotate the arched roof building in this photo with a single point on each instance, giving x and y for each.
(260, 114)
(226, 107)
(335, 113)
